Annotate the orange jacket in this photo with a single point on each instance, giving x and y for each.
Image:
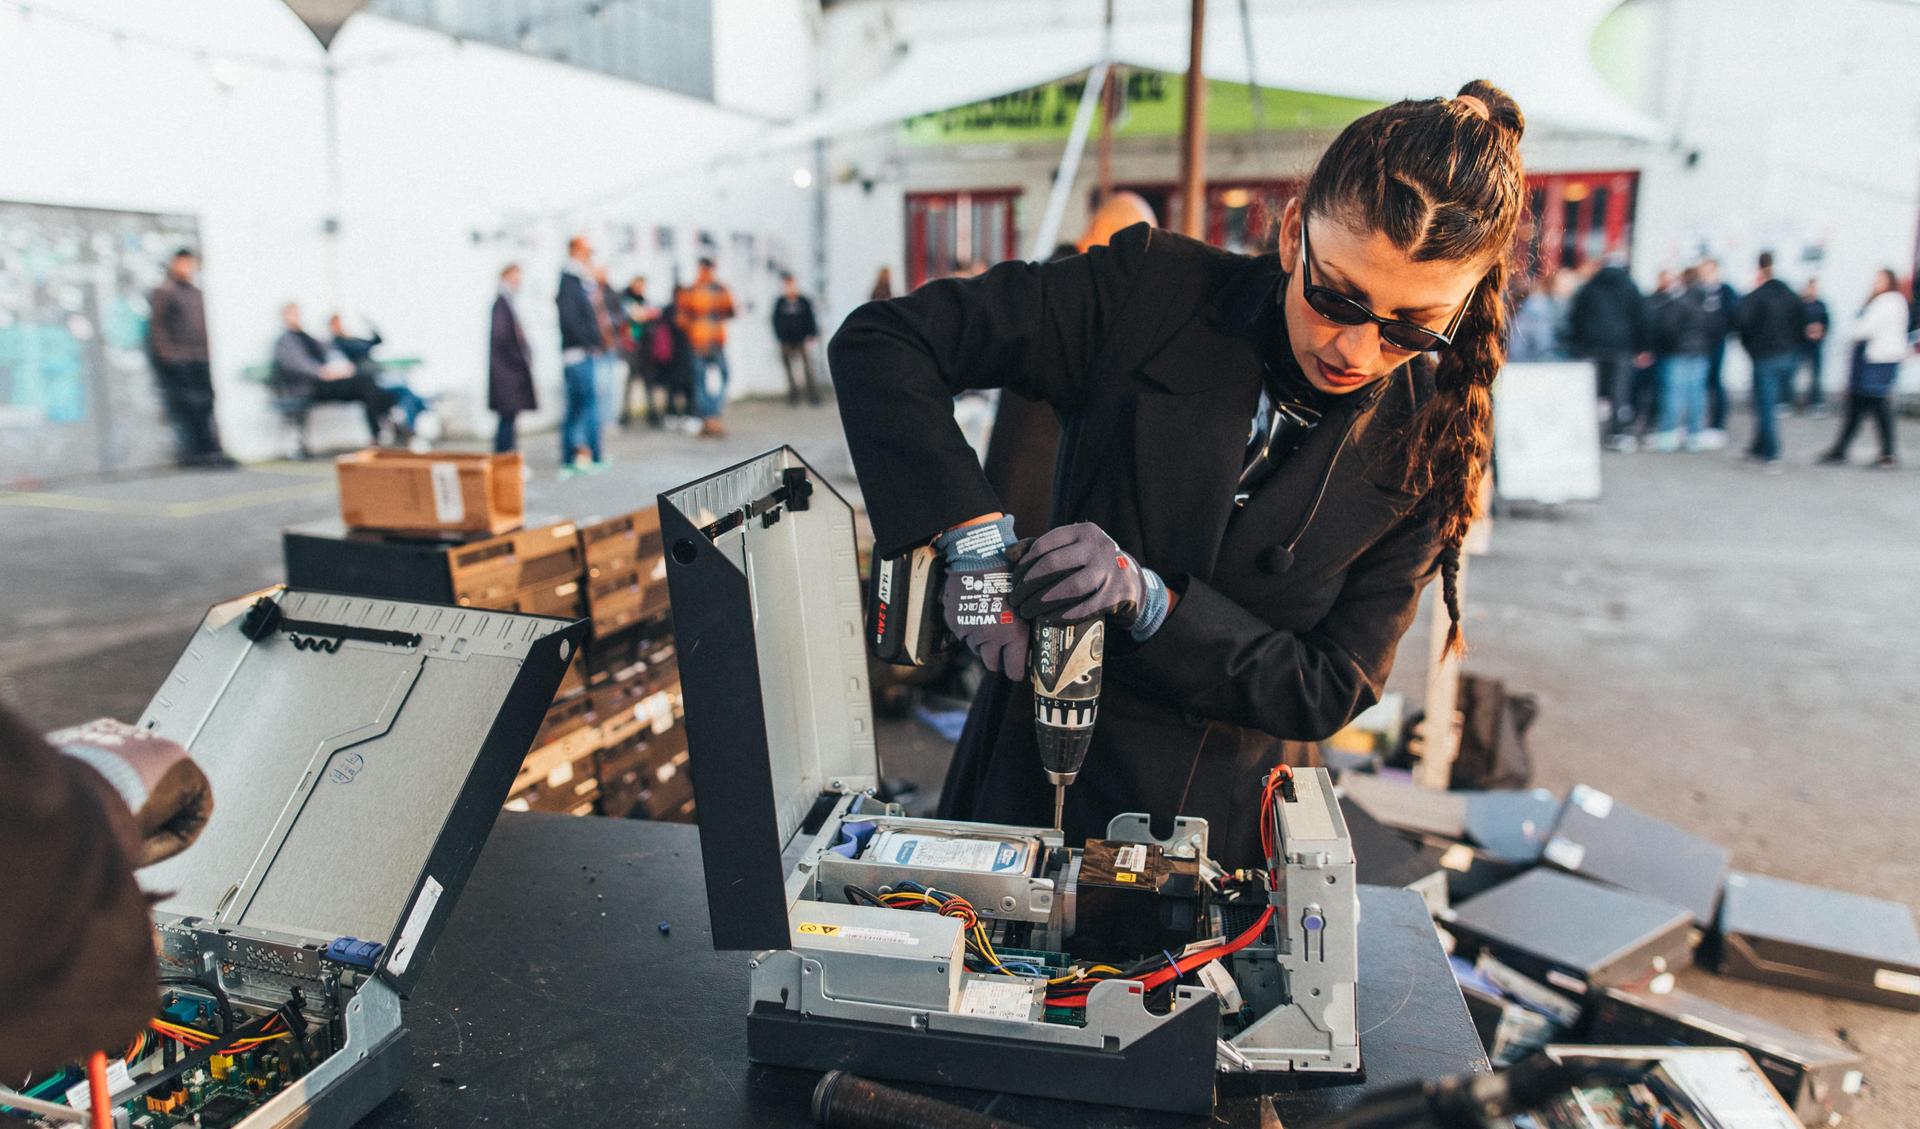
(702, 311)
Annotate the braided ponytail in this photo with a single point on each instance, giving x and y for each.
(1442, 179)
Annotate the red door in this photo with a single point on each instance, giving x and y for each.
(959, 232)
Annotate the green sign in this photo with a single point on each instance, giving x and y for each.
(1151, 105)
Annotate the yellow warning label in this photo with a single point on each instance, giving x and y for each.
(1123, 876)
(819, 930)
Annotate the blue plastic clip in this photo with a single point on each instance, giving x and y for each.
(354, 951)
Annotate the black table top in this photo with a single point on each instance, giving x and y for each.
(555, 999)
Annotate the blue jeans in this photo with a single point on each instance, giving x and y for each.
(708, 403)
(504, 438)
(580, 428)
(1772, 376)
(1683, 394)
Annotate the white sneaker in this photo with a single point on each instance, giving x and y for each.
(429, 426)
(1713, 439)
(1664, 442)
(419, 444)
(1625, 444)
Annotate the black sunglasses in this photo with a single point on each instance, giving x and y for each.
(1342, 310)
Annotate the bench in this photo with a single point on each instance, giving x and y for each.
(293, 409)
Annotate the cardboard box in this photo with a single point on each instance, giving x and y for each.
(404, 492)
(610, 544)
(488, 574)
(557, 778)
(565, 717)
(565, 600)
(614, 602)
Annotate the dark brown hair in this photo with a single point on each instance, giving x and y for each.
(1441, 178)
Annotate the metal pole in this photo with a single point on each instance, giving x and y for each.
(1193, 151)
(1049, 230)
(330, 225)
(1109, 109)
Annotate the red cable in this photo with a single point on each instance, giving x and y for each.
(1182, 967)
(101, 1112)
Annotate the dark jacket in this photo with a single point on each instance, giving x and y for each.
(1151, 350)
(359, 350)
(1682, 325)
(1814, 312)
(1772, 321)
(509, 363)
(1609, 315)
(177, 328)
(298, 361)
(579, 324)
(793, 319)
(77, 972)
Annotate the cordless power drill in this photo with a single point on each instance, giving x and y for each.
(905, 627)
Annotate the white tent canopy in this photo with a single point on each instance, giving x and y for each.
(1381, 51)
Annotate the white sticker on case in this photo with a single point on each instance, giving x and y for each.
(1594, 802)
(1565, 853)
(449, 507)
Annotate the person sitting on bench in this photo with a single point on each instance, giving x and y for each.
(304, 367)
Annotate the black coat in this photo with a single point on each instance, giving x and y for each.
(793, 320)
(1609, 315)
(1151, 351)
(509, 363)
(579, 324)
(1772, 321)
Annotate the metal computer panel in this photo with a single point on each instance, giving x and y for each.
(359, 749)
(1317, 911)
(767, 619)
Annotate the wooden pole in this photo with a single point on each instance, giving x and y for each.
(1193, 150)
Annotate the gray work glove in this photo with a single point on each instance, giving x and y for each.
(165, 790)
(974, 597)
(1077, 572)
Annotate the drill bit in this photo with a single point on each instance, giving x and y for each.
(1059, 805)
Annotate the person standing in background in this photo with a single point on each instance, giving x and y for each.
(581, 342)
(509, 362)
(1813, 348)
(1879, 338)
(1682, 333)
(638, 320)
(704, 309)
(1609, 324)
(1540, 320)
(1772, 325)
(1722, 302)
(610, 382)
(882, 285)
(796, 329)
(177, 346)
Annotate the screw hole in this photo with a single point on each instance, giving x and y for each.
(684, 550)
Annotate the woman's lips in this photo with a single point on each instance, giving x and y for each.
(1341, 377)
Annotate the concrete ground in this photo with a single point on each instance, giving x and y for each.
(1733, 651)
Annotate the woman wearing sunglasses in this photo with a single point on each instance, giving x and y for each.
(1263, 461)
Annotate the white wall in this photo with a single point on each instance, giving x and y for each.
(1805, 119)
(439, 142)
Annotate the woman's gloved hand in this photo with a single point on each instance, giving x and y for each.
(165, 790)
(1077, 572)
(974, 597)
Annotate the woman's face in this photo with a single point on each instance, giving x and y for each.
(1368, 268)
(1882, 282)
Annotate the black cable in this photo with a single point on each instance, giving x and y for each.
(857, 894)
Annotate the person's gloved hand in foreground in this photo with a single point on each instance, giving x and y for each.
(162, 788)
(1077, 572)
(975, 595)
(77, 969)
